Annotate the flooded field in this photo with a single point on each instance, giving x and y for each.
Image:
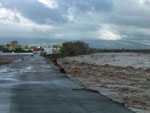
(123, 77)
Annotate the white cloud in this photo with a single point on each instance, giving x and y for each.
(79, 20)
(132, 8)
(109, 32)
(71, 15)
(143, 1)
(59, 35)
(132, 31)
(0, 4)
(49, 3)
(105, 34)
(15, 19)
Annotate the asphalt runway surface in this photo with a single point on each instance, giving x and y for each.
(35, 85)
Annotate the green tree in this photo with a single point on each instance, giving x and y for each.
(74, 48)
(56, 46)
(19, 50)
(3, 49)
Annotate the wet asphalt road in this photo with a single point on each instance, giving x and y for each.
(36, 86)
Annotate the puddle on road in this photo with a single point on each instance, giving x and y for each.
(4, 70)
(28, 68)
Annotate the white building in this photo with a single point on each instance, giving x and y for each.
(48, 50)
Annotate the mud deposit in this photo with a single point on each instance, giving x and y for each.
(117, 78)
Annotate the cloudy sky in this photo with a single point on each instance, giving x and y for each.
(107, 20)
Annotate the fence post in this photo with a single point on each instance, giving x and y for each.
(11, 59)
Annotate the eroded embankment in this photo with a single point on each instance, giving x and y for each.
(127, 85)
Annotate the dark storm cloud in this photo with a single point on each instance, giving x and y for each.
(76, 19)
(35, 11)
(86, 5)
(42, 14)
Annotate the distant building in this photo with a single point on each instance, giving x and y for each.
(24, 47)
(56, 50)
(38, 50)
(9, 47)
(52, 50)
(12, 45)
(48, 50)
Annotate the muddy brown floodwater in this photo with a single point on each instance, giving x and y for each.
(128, 85)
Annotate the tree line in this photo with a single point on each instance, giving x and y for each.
(81, 48)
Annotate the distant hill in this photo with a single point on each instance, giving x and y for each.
(102, 44)
(119, 44)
